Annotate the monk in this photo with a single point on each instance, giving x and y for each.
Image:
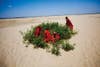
(69, 23)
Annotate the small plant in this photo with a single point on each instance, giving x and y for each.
(49, 36)
(67, 46)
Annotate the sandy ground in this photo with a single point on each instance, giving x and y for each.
(13, 52)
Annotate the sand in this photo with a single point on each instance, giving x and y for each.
(13, 52)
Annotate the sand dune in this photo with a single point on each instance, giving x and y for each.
(13, 52)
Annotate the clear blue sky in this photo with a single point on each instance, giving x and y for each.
(25, 8)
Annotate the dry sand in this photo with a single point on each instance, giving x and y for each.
(13, 52)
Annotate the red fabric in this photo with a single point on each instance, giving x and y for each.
(48, 36)
(56, 36)
(69, 23)
(37, 31)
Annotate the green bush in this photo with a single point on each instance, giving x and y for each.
(38, 42)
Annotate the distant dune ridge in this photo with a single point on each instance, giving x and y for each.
(13, 52)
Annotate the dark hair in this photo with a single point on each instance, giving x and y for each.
(66, 17)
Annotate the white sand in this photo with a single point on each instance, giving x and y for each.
(13, 52)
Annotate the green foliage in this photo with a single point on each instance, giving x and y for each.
(55, 50)
(38, 42)
(63, 30)
(67, 46)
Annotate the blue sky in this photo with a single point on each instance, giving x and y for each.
(25, 8)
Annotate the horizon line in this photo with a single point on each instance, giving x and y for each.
(48, 15)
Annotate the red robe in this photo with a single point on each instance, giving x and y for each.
(48, 36)
(69, 23)
(37, 31)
